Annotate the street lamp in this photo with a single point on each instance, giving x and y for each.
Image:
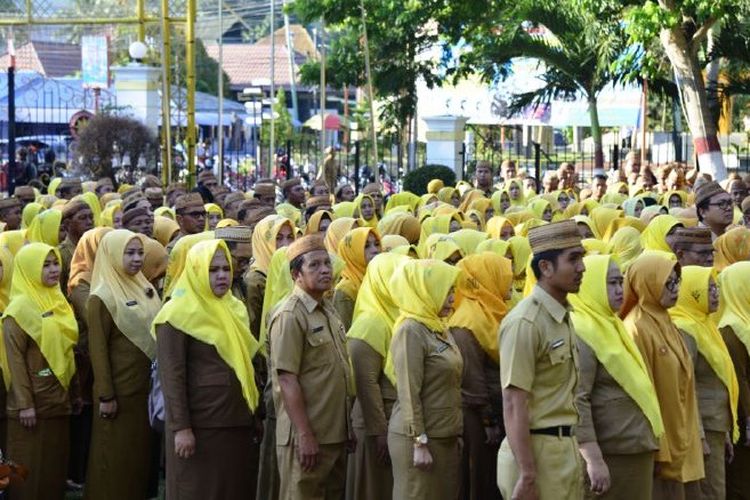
(137, 51)
(253, 93)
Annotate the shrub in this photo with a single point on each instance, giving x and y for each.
(416, 180)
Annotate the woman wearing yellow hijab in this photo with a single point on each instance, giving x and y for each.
(112, 216)
(357, 249)
(625, 246)
(319, 222)
(6, 274)
(499, 227)
(214, 214)
(336, 231)
(366, 210)
(47, 228)
(368, 341)
(521, 251)
(29, 212)
(718, 390)
(203, 332)
(121, 308)
(652, 286)
(426, 366)
(732, 246)
(468, 239)
(402, 224)
(616, 400)
(165, 230)
(484, 287)
(441, 224)
(602, 218)
(178, 257)
(658, 234)
(734, 324)
(40, 333)
(13, 240)
(450, 196)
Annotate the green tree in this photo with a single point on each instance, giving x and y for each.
(283, 127)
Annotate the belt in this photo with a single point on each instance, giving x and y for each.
(559, 431)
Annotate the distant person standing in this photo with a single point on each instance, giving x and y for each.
(329, 170)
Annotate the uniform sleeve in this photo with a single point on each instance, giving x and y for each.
(254, 300)
(587, 365)
(16, 344)
(408, 351)
(344, 306)
(287, 338)
(518, 355)
(474, 389)
(739, 355)
(100, 328)
(79, 302)
(368, 367)
(171, 352)
(691, 346)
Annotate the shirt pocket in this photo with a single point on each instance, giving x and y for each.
(559, 355)
(319, 351)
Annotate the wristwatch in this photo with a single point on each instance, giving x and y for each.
(421, 440)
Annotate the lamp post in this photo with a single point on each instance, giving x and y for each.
(11, 118)
(252, 93)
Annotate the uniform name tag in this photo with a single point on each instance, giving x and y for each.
(45, 372)
(442, 348)
(317, 329)
(47, 314)
(557, 343)
(131, 303)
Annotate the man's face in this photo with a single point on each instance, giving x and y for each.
(696, 255)
(316, 275)
(211, 183)
(567, 272)
(12, 217)
(320, 190)
(510, 172)
(268, 200)
(600, 187)
(296, 195)
(80, 222)
(738, 193)
(484, 176)
(720, 210)
(241, 255)
(143, 224)
(192, 220)
(347, 193)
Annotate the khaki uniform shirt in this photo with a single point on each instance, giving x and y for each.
(66, 248)
(308, 339)
(713, 396)
(609, 415)
(538, 354)
(344, 305)
(428, 382)
(255, 288)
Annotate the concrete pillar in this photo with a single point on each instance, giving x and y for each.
(137, 87)
(445, 137)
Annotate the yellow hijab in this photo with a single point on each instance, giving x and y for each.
(735, 300)
(131, 300)
(337, 230)
(6, 259)
(82, 262)
(165, 212)
(313, 225)
(392, 241)
(446, 194)
(178, 257)
(441, 247)
(108, 214)
(164, 229)
(375, 312)
(496, 225)
(92, 201)
(352, 252)
(654, 237)
(29, 212)
(732, 246)
(601, 218)
(403, 224)
(13, 240)
(468, 239)
(43, 312)
(600, 328)
(218, 321)
(45, 228)
(344, 209)
(290, 212)
(419, 289)
(54, 183)
(403, 199)
(691, 315)
(264, 240)
(485, 280)
(279, 284)
(625, 246)
(435, 225)
(496, 246)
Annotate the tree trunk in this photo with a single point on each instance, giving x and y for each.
(700, 120)
(596, 132)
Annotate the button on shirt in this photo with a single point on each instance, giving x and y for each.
(538, 354)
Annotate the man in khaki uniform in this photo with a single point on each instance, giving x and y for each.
(539, 372)
(693, 246)
(190, 215)
(311, 381)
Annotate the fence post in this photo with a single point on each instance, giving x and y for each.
(288, 159)
(356, 166)
(12, 129)
(615, 157)
(538, 164)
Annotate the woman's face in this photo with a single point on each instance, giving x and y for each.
(366, 209)
(547, 214)
(212, 220)
(585, 231)
(372, 247)
(455, 199)
(504, 202)
(614, 287)
(563, 200)
(219, 273)
(454, 226)
(506, 232)
(324, 223)
(117, 220)
(514, 191)
(638, 208)
(475, 219)
(132, 257)
(675, 201)
(623, 190)
(447, 308)
(284, 237)
(671, 290)
(713, 296)
(51, 270)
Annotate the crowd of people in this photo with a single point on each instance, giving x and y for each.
(494, 339)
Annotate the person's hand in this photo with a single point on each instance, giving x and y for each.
(493, 434)
(525, 489)
(27, 417)
(108, 410)
(598, 476)
(381, 450)
(422, 457)
(728, 448)
(184, 443)
(307, 452)
(706, 449)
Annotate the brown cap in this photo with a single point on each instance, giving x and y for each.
(746, 204)
(555, 236)
(318, 201)
(693, 236)
(131, 214)
(188, 200)
(232, 197)
(301, 246)
(154, 192)
(9, 202)
(132, 200)
(73, 206)
(68, 182)
(150, 181)
(291, 183)
(707, 190)
(255, 215)
(240, 234)
(24, 191)
(104, 181)
(264, 188)
(205, 175)
(133, 191)
(373, 187)
(176, 186)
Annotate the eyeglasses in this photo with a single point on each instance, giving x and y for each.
(723, 205)
(673, 284)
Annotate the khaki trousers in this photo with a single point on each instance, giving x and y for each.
(441, 482)
(668, 489)
(631, 477)
(558, 468)
(714, 484)
(326, 482)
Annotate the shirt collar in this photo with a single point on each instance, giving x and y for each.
(307, 300)
(553, 307)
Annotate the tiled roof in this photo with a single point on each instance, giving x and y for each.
(51, 59)
(244, 63)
